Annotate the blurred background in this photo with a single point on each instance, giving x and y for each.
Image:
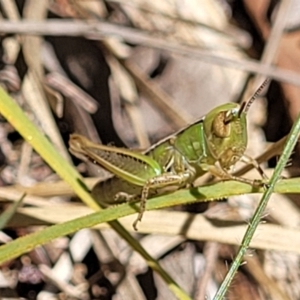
(129, 73)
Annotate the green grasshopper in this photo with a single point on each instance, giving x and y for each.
(212, 144)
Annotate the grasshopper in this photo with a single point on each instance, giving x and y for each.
(212, 144)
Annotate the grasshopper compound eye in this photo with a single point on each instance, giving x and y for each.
(231, 115)
(221, 124)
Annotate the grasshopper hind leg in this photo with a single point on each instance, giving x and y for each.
(108, 192)
(158, 182)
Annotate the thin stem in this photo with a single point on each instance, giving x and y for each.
(289, 146)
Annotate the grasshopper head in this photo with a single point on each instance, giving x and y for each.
(226, 134)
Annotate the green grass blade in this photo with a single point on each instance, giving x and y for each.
(216, 191)
(8, 213)
(204, 193)
(287, 151)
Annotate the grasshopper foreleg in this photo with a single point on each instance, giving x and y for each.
(158, 182)
(224, 175)
(249, 160)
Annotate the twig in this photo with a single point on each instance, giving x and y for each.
(99, 30)
(211, 254)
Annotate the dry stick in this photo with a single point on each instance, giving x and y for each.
(270, 50)
(128, 92)
(290, 144)
(276, 33)
(34, 92)
(70, 90)
(273, 41)
(99, 30)
(158, 97)
(211, 250)
(240, 37)
(268, 285)
(155, 95)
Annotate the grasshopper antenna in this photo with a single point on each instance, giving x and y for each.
(246, 104)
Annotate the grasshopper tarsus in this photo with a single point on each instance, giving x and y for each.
(132, 198)
(261, 184)
(142, 208)
(258, 183)
(134, 225)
